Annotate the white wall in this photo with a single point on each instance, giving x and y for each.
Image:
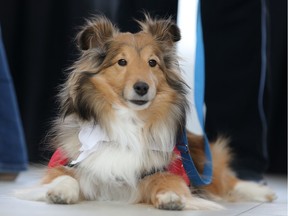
(187, 13)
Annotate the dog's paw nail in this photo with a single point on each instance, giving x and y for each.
(60, 197)
(169, 201)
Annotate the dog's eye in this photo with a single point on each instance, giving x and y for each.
(122, 62)
(152, 63)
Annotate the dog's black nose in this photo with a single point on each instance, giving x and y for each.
(141, 88)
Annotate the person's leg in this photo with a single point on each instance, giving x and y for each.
(277, 86)
(13, 157)
(232, 40)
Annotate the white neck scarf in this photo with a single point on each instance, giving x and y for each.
(91, 136)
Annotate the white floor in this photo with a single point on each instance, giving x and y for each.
(11, 206)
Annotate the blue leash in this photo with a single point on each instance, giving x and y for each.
(205, 178)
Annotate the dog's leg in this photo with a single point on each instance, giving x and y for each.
(225, 184)
(170, 192)
(251, 191)
(228, 185)
(63, 188)
(58, 186)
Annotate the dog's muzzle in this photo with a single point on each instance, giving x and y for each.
(141, 89)
(140, 95)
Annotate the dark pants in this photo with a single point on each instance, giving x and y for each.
(13, 156)
(232, 40)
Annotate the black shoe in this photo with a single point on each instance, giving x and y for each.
(249, 175)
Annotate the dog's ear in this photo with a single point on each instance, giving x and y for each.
(164, 30)
(95, 33)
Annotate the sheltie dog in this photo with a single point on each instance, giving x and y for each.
(121, 109)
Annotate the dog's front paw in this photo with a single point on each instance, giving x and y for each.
(251, 191)
(169, 200)
(63, 190)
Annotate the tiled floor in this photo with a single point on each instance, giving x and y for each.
(11, 206)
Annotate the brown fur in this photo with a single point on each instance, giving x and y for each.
(224, 179)
(160, 183)
(55, 172)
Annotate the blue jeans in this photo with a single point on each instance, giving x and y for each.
(13, 154)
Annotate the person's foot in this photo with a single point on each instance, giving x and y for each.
(8, 176)
(249, 175)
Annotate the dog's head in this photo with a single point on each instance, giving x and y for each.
(139, 71)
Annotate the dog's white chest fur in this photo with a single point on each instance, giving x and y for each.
(113, 169)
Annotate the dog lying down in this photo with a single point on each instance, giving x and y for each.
(121, 109)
